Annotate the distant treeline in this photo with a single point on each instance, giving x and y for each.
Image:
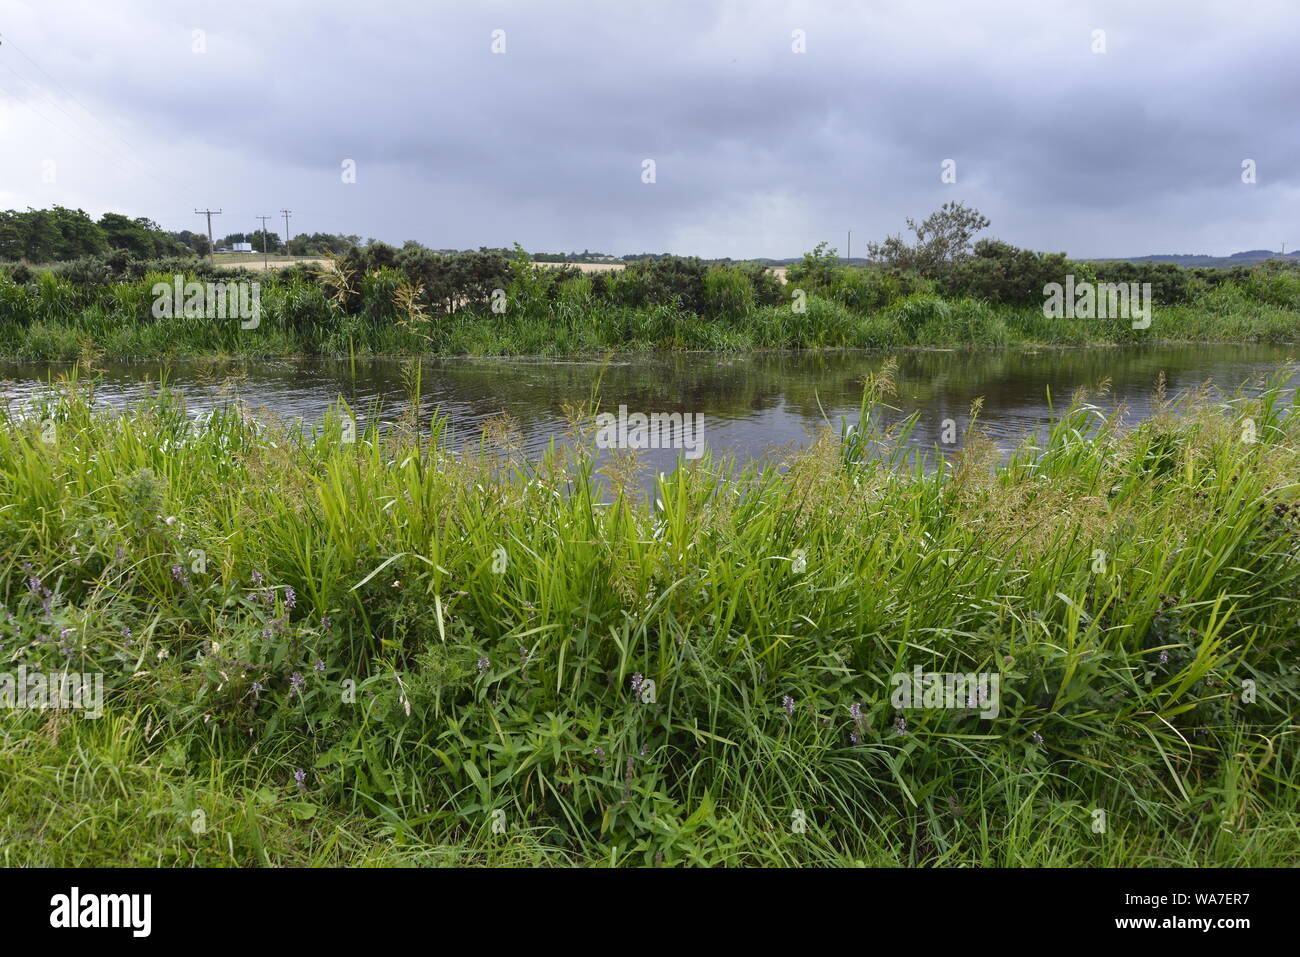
(304, 244)
(59, 234)
(39, 236)
(940, 287)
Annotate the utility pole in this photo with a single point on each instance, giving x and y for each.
(286, 229)
(265, 263)
(212, 248)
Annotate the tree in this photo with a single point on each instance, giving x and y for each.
(133, 235)
(41, 238)
(942, 240)
(272, 241)
(817, 269)
(78, 234)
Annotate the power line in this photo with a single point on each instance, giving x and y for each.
(119, 155)
(286, 229)
(69, 94)
(66, 132)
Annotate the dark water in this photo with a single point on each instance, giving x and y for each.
(750, 404)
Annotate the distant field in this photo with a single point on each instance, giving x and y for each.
(606, 267)
(586, 267)
(257, 261)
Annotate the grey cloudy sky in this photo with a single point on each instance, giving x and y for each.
(759, 151)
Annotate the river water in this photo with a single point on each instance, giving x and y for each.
(749, 403)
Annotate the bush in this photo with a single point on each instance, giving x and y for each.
(1169, 282)
(767, 286)
(303, 307)
(1276, 283)
(728, 292)
(21, 273)
(674, 279)
(817, 269)
(378, 295)
(1001, 272)
(865, 289)
(575, 290)
(85, 273)
(15, 301)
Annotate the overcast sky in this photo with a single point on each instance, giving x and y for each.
(758, 150)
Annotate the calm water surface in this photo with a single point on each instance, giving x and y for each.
(750, 403)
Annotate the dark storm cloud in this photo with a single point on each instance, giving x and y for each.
(759, 150)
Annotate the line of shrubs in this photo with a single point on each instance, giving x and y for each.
(373, 281)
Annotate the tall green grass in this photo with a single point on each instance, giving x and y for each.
(431, 638)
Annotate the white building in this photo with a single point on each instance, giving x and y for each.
(241, 247)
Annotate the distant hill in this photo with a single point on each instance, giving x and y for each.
(1251, 257)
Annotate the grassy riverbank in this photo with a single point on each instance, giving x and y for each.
(323, 651)
(480, 304)
(924, 322)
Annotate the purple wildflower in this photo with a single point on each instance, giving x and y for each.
(900, 726)
(290, 599)
(637, 681)
(1164, 656)
(326, 623)
(178, 573)
(320, 666)
(788, 703)
(296, 681)
(257, 579)
(1038, 738)
(482, 666)
(301, 777)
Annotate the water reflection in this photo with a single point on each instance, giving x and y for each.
(751, 404)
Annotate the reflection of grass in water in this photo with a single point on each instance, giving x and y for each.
(494, 621)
